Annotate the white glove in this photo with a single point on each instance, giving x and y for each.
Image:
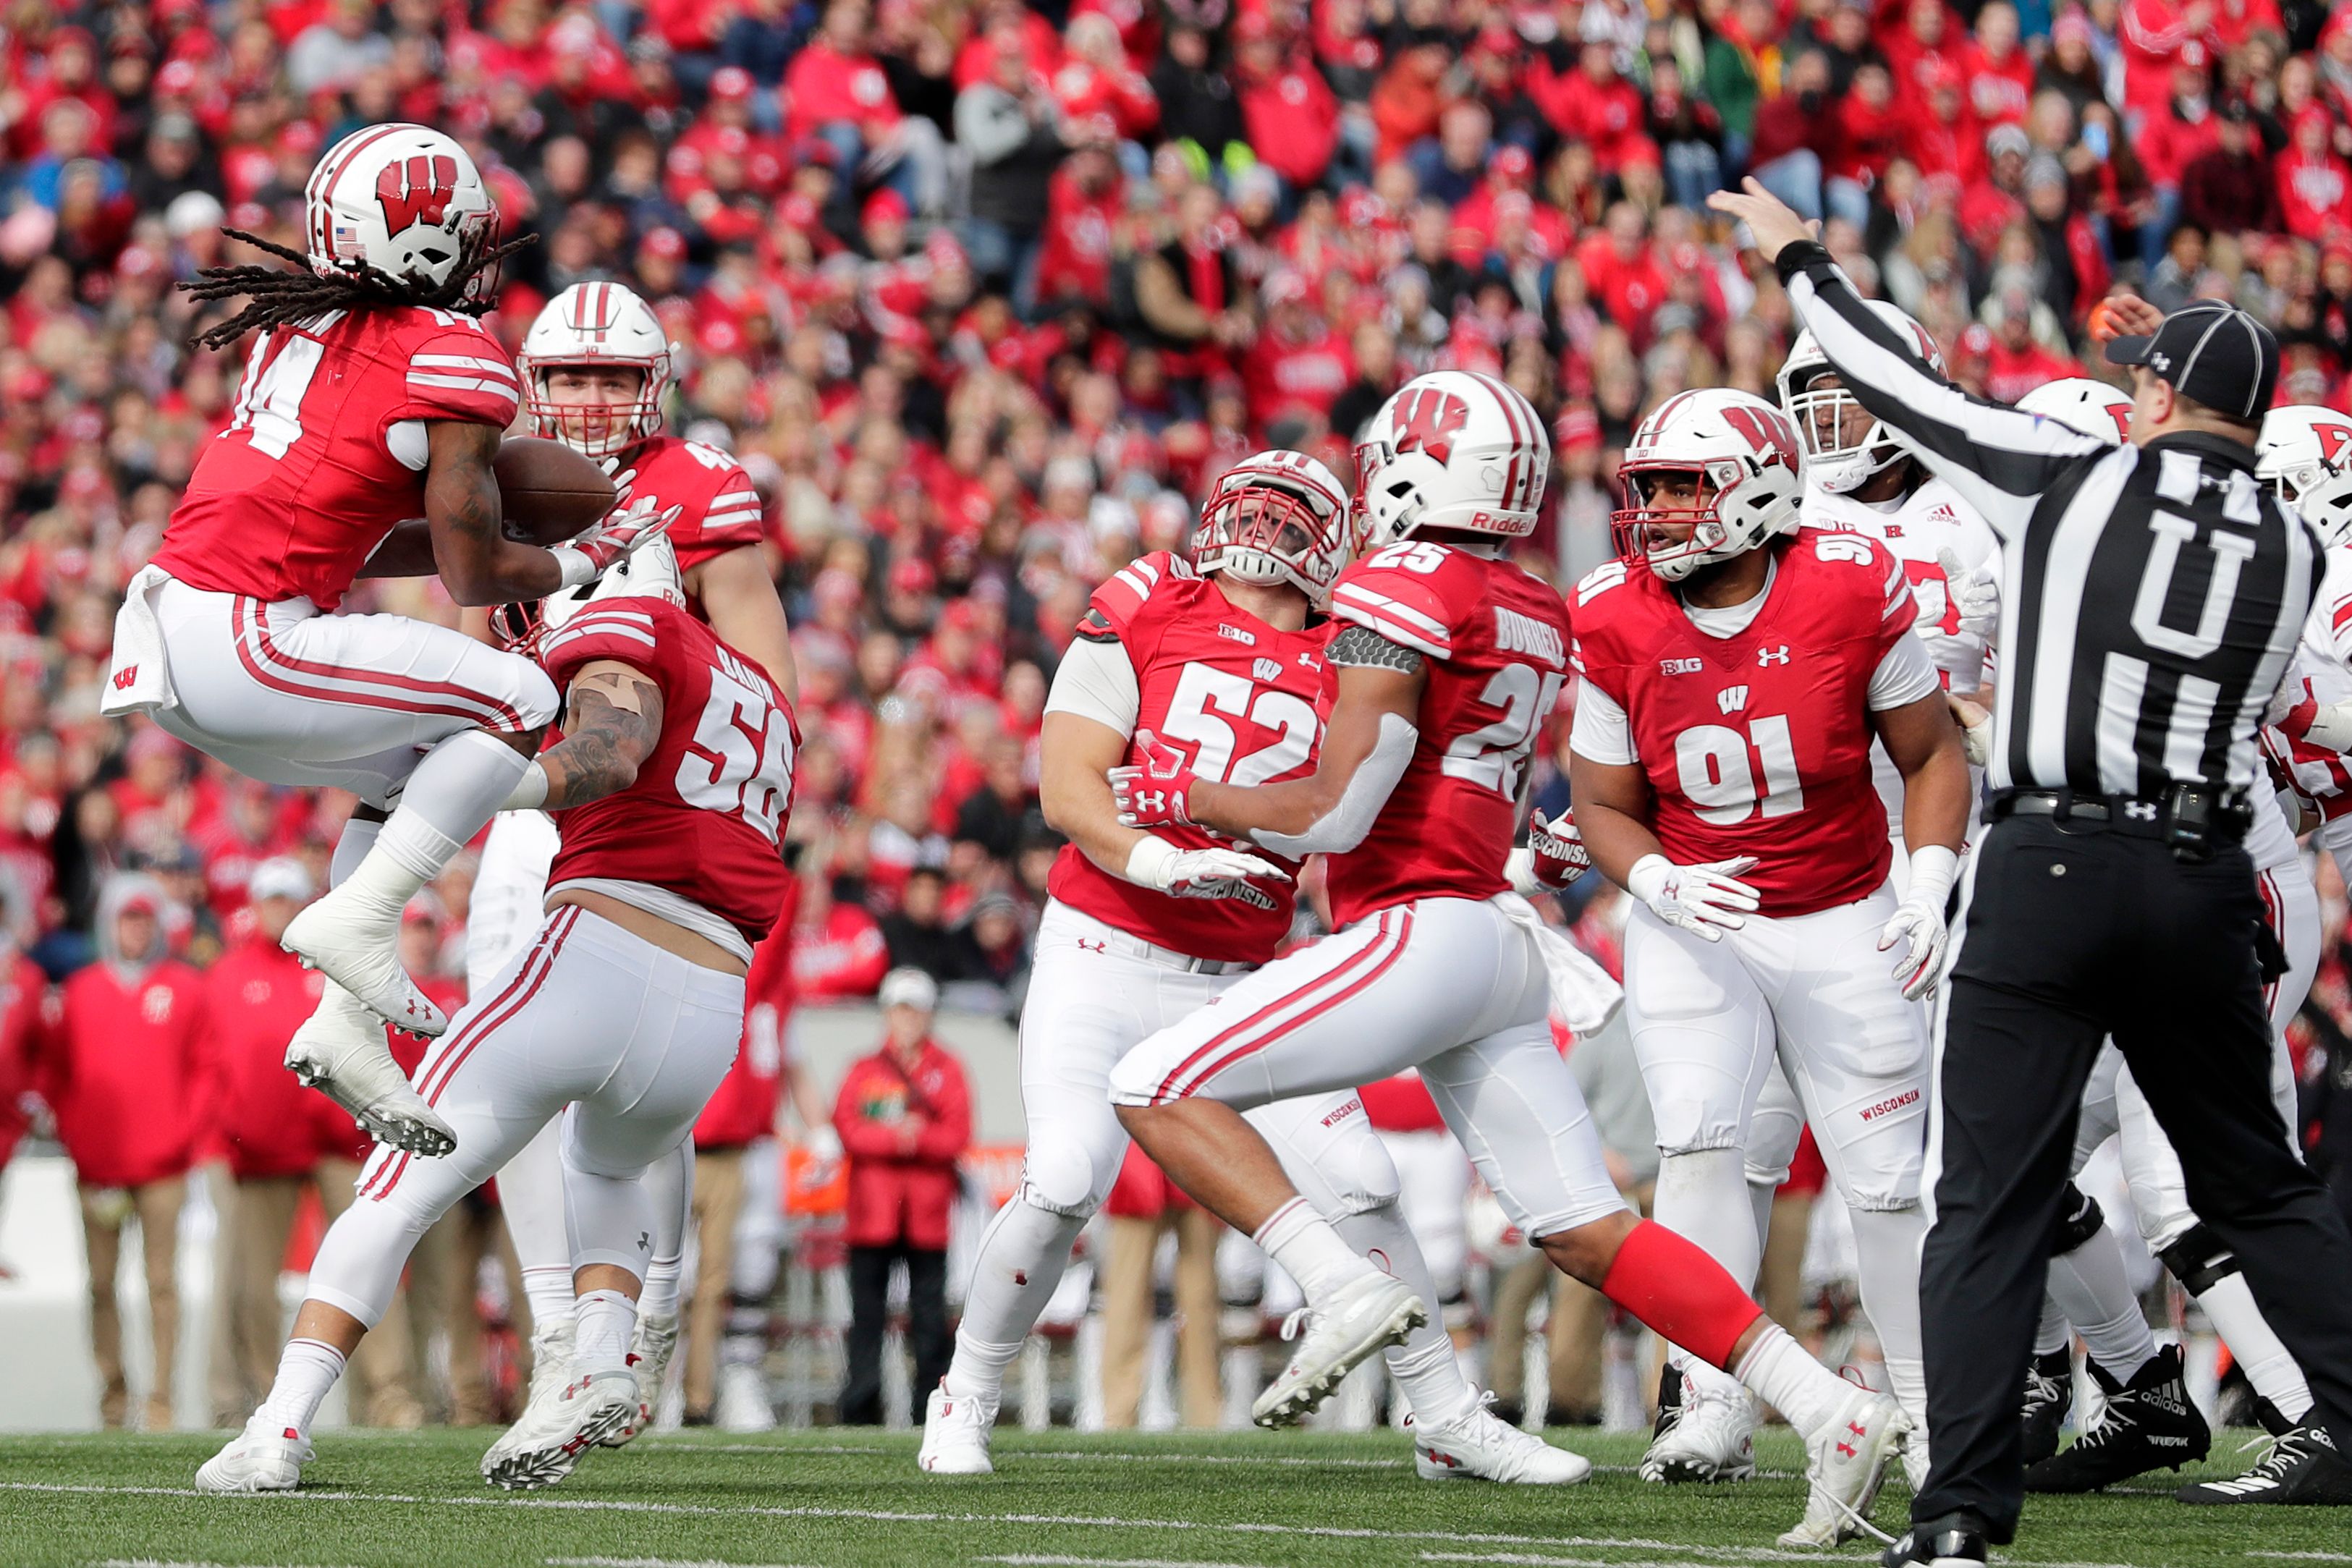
(1704, 899)
(612, 540)
(1200, 873)
(823, 1142)
(1918, 922)
(1974, 593)
(1975, 720)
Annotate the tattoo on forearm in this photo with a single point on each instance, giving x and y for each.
(605, 740)
(1364, 648)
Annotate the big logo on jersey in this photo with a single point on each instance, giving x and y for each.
(1428, 421)
(416, 190)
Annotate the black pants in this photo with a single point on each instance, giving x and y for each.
(2069, 935)
(927, 1326)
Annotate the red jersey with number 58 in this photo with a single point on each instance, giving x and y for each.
(703, 819)
(1246, 704)
(1759, 744)
(1496, 642)
(326, 452)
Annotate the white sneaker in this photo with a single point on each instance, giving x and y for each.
(1845, 1463)
(955, 1433)
(341, 1051)
(551, 1358)
(742, 1405)
(1482, 1446)
(265, 1456)
(361, 952)
(1712, 1439)
(541, 1448)
(1367, 1315)
(649, 1364)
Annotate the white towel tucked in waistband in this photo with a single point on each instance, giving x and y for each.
(140, 679)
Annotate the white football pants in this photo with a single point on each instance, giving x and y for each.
(633, 1038)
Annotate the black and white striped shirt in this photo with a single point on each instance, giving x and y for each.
(2150, 596)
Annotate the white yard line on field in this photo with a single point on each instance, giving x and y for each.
(1073, 1455)
(169, 1562)
(2305, 1556)
(1719, 1554)
(658, 1562)
(1038, 1562)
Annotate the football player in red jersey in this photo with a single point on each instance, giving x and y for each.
(673, 778)
(371, 396)
(1449, 661)
(1142, 928)
(1736, 672)
(595, 367)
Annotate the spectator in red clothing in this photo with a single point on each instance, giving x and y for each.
(1298, 365)
(838, 950)
(1082, 202)
(2314, 185)
(2229, 188)
(23, 994)
(1872, 130)
(1290, 110)
(124, 1063)
(904, 1115)
(2019, 361)
(2158, 36)
(1597, 106)
(1795, 127)
(2000, 75)
(1620, 267)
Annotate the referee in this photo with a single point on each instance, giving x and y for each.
(2152, 595)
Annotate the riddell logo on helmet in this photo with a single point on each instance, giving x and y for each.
(1428, 419)
(417, 190)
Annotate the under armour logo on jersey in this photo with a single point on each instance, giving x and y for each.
(1267, 669)
(1086, 946)
(1731, 699)
(645, 1240)
(1309, 661)
(2140, 811)
(1428, 419)
(1778, 656)
(417, 190)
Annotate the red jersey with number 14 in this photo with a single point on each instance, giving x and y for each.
(326, 453)
(1759, 744)
(1496, 642)
(1246, 704)
(702, 820)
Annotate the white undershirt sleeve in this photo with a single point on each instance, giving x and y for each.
(1096, 681)
(1601, 730)
(1905, 676)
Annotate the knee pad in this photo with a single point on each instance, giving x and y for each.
(2079, 1218)
(1353, 1169)
(2199, 1260)
(1064, 1178)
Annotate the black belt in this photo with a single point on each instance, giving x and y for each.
(2191, 818)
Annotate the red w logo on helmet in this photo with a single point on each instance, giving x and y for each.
(1428, 421)
(2332, 441)
(417, 190)
(1767, 430)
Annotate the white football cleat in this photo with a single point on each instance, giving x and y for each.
(541, 1448)
(1367, 1315)
(955, 1435)
(649, 1364)
(341, 1051)
(266, 1457)
(361, 953)
(1712, 1438)
(1845, 1463)
(1482, 1446)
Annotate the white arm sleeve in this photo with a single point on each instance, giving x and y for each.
(1905, 676)
(1601, 730)
(1096, 681)
(1343, 827)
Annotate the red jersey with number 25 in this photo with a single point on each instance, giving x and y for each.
(1246, 704)
(1759, 744)
(326, 453)
(702, 820)
(1496, 642)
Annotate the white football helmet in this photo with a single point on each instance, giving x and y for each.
(648, 571)
(597, 324)
(401, 199)
(1831, 465)
(1452, 449)
(1276, 517)
(2305, 453)
(2080, 404)
(1739, 445)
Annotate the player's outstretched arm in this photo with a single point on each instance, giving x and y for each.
(611, 721)
(478, 563)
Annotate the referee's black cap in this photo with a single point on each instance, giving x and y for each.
(2213, 354)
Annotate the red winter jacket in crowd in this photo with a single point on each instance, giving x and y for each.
(2011, 373)
(1074, 260)
(259, 994)
(903, 1132)
(846, 956)
(24, 991)
(2315, 195)
(2156, 36)
(125, 1063)
(1293, 121)
(743, 1108)
(1607, 117)
(823, 84)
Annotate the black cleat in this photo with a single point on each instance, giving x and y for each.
(2302, 1467)
(1670, 1401)
(1952, 1542)
(2049, 1395)
(2148, 1424)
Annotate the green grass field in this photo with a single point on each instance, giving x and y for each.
(846, 1499)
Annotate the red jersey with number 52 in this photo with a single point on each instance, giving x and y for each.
(1246, 704)
(703, 818)
(1759, 744)
(1496, 642)
(326, 453)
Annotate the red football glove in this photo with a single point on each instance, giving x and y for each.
(624, 530)
(1152, 794)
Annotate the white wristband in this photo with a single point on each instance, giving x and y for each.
(1933, 870)
(1645, 876)
(1153, 863)
(575, 566)
(529, 791)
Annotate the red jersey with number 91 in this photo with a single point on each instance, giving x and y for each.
(1759, 744)
(1246, 704)
(702, 820)
(1496, 642)
(326, 453)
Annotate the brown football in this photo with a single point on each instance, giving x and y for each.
(549, 492)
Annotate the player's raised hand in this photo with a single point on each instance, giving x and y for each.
(2123, 314)
(1773, 223)
(1553, 857)
(1152, 793)
(1974, 593)
(611, 542)
(1704, 899)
